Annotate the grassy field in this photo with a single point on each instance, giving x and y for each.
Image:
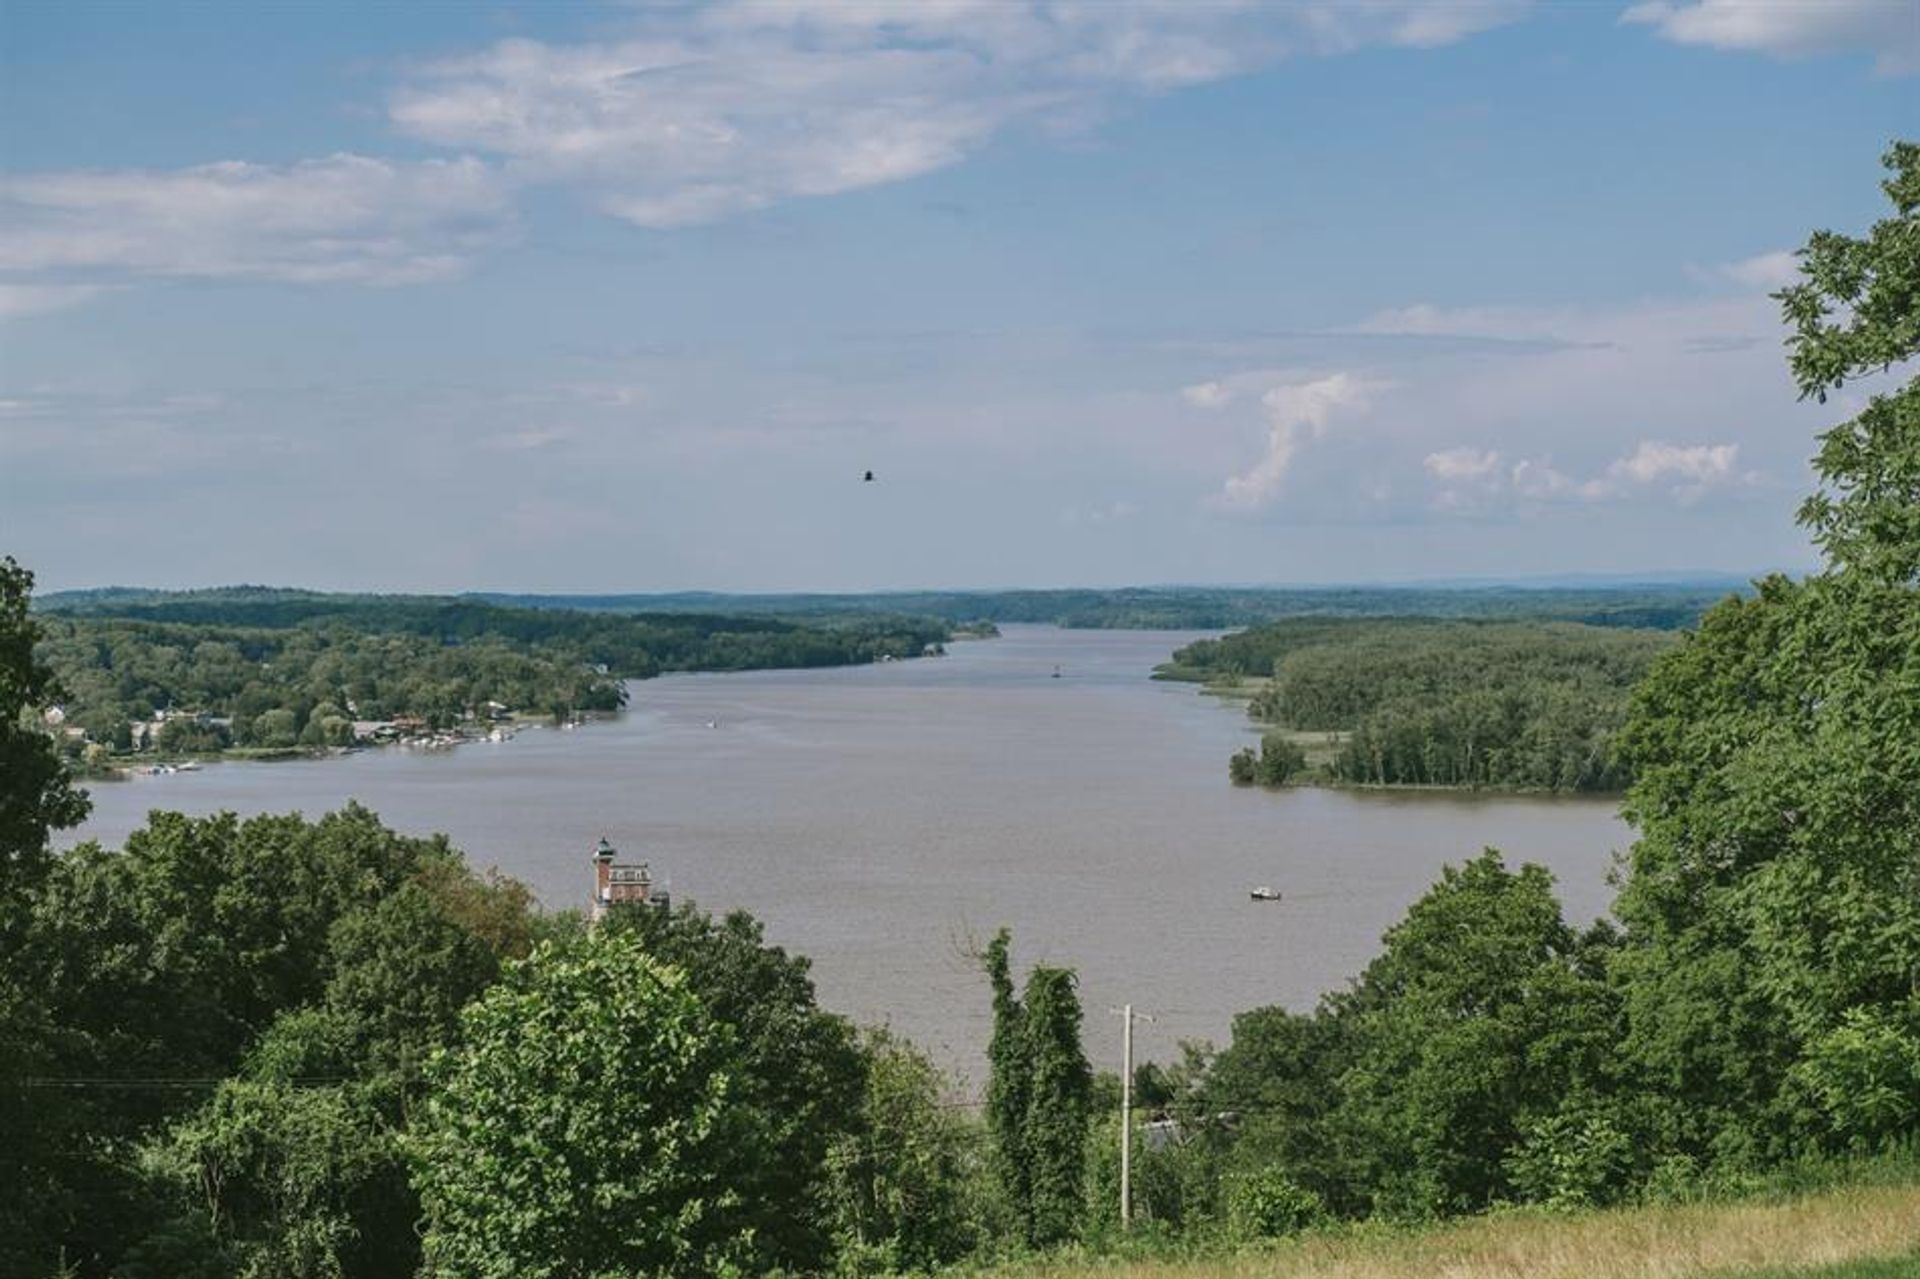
(1858, 1232)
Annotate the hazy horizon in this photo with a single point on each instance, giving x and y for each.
(1598, 581)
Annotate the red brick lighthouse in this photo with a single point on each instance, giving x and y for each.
(616, 882)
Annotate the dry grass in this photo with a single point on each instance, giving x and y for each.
(1722, 1240)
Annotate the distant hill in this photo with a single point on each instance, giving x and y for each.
(1662, 605)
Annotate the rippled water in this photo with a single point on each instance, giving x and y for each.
(881, 818)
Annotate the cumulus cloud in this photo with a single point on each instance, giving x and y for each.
(1296, 414)
(1537, 479)
(709, 112)
(1687, 471)
(345, 218)
(1475, 479)
(1888, 29)
(1765, 271)
(1207, 395)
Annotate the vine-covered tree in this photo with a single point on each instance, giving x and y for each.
(1039, 1096)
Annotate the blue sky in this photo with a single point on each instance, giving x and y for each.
(626, 297)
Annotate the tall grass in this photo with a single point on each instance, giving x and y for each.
(1677, 1241)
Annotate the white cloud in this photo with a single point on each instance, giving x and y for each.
(714, 111)
(1207, 395)
(1888, 29)
(1539, 480)
(1474, 479)
(1430, 25)
(345, 218)
(1687, 471)
(1296, 414)
(36, 299)
(1765, 272)
(1463, 464)
(1524, 412)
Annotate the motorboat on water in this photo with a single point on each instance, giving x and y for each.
(1265, 894)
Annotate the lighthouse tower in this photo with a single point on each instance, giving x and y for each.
(615, 882)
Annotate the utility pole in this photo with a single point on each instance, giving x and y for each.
(1126, 1015)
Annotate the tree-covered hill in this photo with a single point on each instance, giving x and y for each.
(274, 668)
(1415, 701)
(1656, 604)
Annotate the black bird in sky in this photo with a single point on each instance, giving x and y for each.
(867, 478)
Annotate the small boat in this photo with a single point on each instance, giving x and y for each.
(1056, 672)
(1265, 894)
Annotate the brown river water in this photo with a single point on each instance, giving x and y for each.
(882, 819)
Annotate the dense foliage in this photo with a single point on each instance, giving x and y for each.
(1484, 1017)
(37, 797)
(279, 669)
(219, 998)
(1530, 705)
(1772, 902)
(583, 1126)
(797, 1068)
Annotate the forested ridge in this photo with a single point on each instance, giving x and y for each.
(1665, 605)
(270, 668)
(326, 1049)
(1412, 701)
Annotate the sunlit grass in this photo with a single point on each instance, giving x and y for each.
(1756, 1240)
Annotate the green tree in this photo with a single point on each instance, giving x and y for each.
(297, 1161)
(585, 1125)
(1243, 766)
(1039, 1096)
(1276, 1079)
(1009, 1083)
(1773, 895)
(797, 1069)
(290, 1176)
(1856, 312)
(42, 1142)
(1281, 760)
(36, 794)
(275, 728)
(899, 1183)
(1482, 1013)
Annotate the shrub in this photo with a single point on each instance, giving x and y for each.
(1269, 1204)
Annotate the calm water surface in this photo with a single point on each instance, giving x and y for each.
(882, 818)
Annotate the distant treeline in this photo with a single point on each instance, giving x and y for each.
(1528, 705)
(275, 668)
(1658, 606)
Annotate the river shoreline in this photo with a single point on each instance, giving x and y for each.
(876, 817)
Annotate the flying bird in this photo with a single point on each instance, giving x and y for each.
(867, 478)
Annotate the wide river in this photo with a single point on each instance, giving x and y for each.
(885, 819)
